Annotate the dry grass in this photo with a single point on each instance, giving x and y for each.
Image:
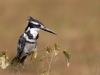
(76, 22)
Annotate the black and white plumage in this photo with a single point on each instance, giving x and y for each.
(28, 40)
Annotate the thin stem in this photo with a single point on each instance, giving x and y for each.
(41, 50)
(42, 65)
(47, 59)
(50, 63)
(55, 60)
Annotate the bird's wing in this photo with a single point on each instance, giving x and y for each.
(21, 45)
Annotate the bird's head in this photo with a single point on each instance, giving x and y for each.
(36, 25)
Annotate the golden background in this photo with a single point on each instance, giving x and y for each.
(77, 23)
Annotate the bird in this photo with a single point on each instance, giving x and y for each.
(28, 41)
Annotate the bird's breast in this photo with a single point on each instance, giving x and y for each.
(29, 48)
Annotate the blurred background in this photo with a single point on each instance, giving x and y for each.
(77, 23)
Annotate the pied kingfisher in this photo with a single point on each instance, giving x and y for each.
(28, 40)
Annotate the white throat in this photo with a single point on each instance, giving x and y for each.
(34, 32)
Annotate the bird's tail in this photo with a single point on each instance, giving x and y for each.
(18, 60)
(23, 59)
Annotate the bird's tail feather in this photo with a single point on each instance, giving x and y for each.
(23, 59)
(18, 60)
(15, 60)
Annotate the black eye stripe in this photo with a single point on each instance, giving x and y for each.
(37, 26)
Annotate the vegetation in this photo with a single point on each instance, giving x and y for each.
(77, 23)
(52, 53)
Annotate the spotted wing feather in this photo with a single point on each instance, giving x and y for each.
(21, 45)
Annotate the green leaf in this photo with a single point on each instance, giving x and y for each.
(67, 56)
(56, 50)
(34, 54)
(12, 62)
(49, 50)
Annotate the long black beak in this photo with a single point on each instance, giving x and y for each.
(48, 30)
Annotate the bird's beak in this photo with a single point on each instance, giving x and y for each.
(48, 30)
